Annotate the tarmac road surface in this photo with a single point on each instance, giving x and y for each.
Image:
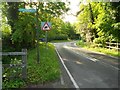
(87, 72)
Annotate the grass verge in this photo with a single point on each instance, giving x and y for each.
(47, 70)
(88, 46)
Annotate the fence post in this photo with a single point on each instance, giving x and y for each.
(24, 64)
(109, 45)
(117, 46)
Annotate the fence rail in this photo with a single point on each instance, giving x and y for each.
(23, 66)
(110, 45)
(113, 45)
(12, 53)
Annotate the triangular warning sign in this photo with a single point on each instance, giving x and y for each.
(46, 26)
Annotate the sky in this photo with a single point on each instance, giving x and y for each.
(74, 6)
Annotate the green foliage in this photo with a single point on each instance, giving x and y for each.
(61, 37)
(6, 30)
(105, 26)
(7, 84)
(81, 43)
(116, 31)
(61, 30)
(25, 31)
(83, 27)
(15, 82)
(99, 48)
(22, 26)
(99, 40)
(48, 69)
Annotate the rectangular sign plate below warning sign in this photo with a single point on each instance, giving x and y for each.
(45, 26)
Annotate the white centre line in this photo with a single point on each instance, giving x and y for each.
(71, 77)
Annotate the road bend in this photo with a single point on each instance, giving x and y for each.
(87, 72)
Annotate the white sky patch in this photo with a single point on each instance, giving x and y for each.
(74, 7)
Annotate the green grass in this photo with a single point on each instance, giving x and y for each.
(46, 71)
(92, 47)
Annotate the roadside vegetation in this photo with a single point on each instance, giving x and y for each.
(93, 47)
(97, 23)
(48, 69)
(19, 32)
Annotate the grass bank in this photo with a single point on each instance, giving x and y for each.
(46, 71)
(92, 47)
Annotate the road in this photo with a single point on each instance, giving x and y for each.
(87, 72)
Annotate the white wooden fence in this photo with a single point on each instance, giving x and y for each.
(23, 65)
(110, 45)
(113, 45)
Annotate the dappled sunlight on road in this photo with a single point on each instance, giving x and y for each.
(78, 62)
(65, 59)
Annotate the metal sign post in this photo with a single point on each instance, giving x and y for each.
(46, 38)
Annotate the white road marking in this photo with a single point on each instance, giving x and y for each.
(71, 77)
(92, 59)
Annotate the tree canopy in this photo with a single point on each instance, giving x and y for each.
(99, 22)
(19, 29)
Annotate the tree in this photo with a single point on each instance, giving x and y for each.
(5, 28)
(23, 24)
(98, 22)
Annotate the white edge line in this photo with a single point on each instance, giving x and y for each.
(71, 77)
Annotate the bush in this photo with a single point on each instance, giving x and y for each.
(100, 40)
(61, 37)
(58, 37)
(47, 70)
(7, 84)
